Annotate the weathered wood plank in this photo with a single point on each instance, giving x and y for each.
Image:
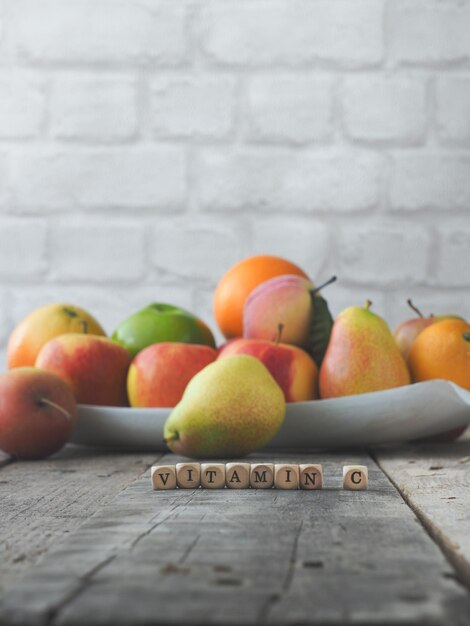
(245, 557)
(434, 479)
(42, 502)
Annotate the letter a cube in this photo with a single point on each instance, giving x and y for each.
(237, 475)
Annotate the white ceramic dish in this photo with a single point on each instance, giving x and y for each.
(392, 416)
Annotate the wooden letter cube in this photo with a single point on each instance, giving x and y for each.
(213, 475)
(355, 477)
(237, 475)
(286, 476)
(262, 475)
(311, 476)
(163, 477)
(188, 475)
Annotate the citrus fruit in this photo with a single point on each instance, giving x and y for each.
(442, 351)
(236, 284)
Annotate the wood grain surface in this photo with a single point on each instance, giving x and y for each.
(128, 555)
(43, 502)
(434, 480)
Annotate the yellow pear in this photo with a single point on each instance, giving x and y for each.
(230, 408)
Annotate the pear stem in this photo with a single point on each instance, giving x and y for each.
(368, 304)
(174, 437)
(280, 328)
(328, 282)
(55, 406)
(415, 308)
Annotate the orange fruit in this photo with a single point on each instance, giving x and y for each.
(442, 350)
(44, 324)
(237, 283)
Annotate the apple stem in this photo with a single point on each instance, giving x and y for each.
(328, 282)
(280, 328)
(55, 406)
(415, 308)
(368, 304)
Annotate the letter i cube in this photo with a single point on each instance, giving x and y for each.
(188, 475)
(286, 476)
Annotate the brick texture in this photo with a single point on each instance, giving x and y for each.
(130, 178)
(97, 251)
(289, 109)
(186, 107)
(83, 31)
(23, 249)
(22, 105)
(293, 33)
(93, 109)
(431, 181)
(453, 110)
(280, 180)
(401, 254)
(395, 111)
(427, 32)
(147, 146)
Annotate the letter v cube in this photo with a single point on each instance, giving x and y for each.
(163, 477)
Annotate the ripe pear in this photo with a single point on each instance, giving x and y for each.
(230, 408)
(362, 356)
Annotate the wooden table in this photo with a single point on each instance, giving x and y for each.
(85, 541)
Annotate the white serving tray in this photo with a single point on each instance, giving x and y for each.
(384, 417)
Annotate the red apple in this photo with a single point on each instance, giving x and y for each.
(94, 367)
(158, 375)
(291, 367)
(37, 413)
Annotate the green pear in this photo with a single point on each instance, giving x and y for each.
(362, 356)
(230, 408)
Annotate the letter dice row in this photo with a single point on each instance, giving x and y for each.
(255, 475)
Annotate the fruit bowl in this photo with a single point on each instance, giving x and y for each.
(383, 417)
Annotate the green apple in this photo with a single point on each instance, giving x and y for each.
(161, 322)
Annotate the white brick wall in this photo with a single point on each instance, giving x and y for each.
(395, 110)
(192, 107)
(147, 145)
(289, 109)
(93, 109)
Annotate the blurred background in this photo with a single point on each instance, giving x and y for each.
(147, 145)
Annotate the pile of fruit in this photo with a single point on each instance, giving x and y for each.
(282, 345)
